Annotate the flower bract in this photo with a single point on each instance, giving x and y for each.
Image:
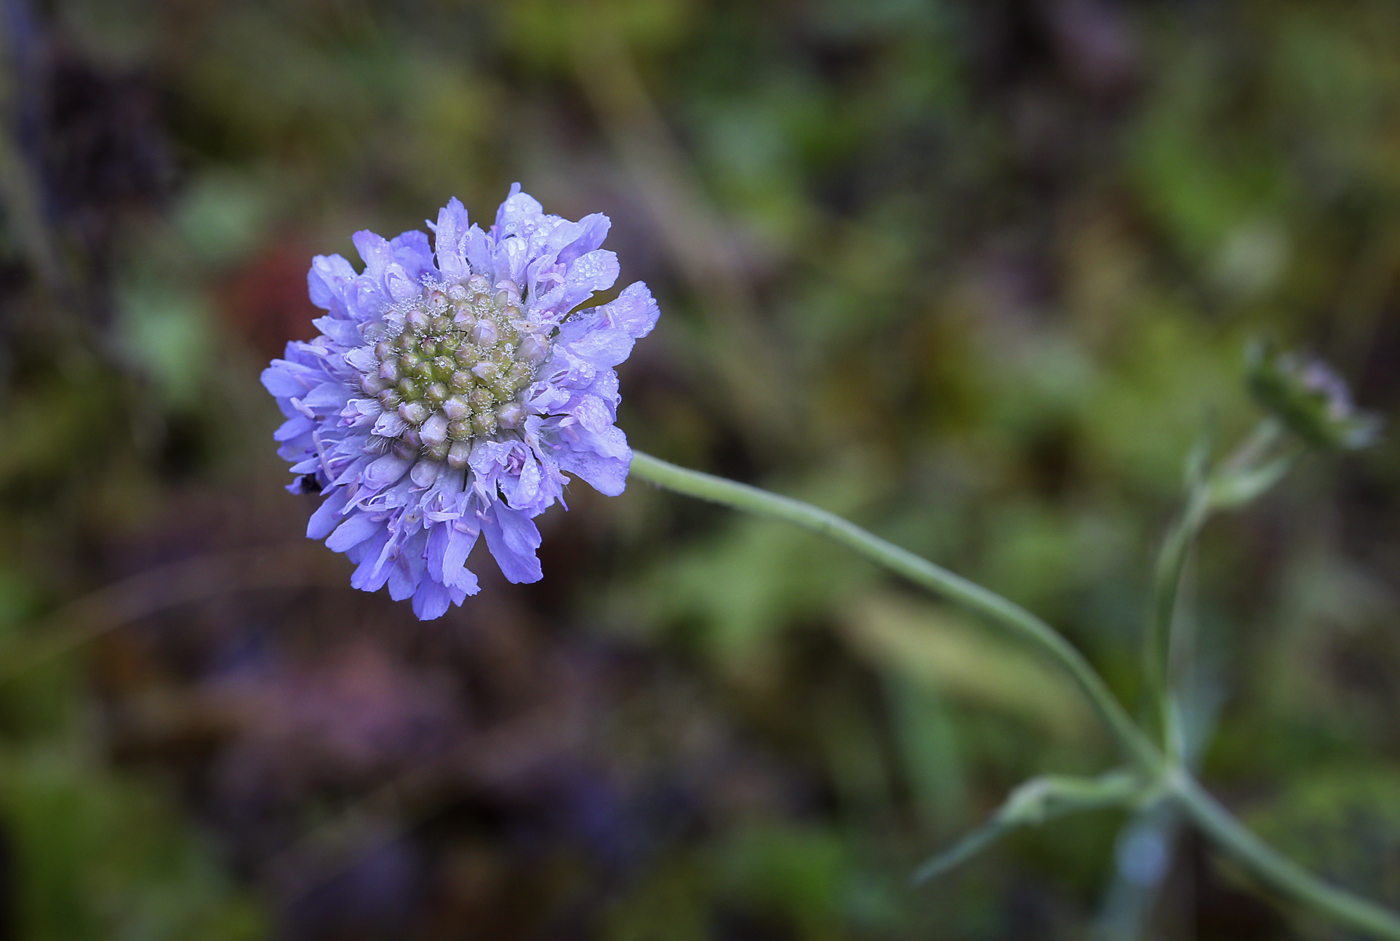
(452, 389)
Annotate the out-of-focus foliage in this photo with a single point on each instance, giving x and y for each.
(976, 274)
(102, 857)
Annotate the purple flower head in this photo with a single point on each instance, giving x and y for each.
(451, 390)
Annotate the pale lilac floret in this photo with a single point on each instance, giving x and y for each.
(451, 390)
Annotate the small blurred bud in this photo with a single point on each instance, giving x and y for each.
(1311, 399)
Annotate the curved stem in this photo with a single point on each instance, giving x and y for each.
(936, 579)
(1161, 625)
(1277, 870)
(1229, 834)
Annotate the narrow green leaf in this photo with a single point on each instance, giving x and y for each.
(1233, 489)
(963, 850)
(1033, 803)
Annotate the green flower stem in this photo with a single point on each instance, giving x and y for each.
(1136, 746)
(1162, 620)
(1275, 869)
(1163, 624)
(1256, 446)
(1266, 863)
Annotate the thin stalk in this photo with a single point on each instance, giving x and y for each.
(1256, 445)
(1135, 745)
(1276, 870)
(1162, 622)
(1215, 821)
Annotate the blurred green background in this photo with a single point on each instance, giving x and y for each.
(976, 274)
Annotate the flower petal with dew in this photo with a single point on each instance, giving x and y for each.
(452, 389)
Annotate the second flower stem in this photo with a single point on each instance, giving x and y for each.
(1228, 833)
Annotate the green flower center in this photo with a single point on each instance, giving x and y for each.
(452, 365)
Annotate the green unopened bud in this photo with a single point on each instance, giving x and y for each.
(484, 422)
(481, 398)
